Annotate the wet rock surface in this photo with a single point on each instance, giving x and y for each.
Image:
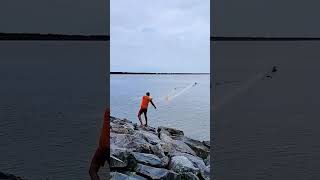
(156, 153)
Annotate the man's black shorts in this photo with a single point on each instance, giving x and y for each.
(142, 110)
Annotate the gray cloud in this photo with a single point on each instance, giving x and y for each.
(162, 36)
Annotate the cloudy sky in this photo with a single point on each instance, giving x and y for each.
(55, 16)
(160, 35)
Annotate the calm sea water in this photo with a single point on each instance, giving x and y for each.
(52, 99)
(180, 104)
(268, 129)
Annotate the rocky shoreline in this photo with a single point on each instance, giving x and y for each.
(156, 153)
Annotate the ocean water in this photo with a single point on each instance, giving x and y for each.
(266, 128)
(52, 100)
(179, 104)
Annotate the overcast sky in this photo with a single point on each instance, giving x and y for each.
(54, 16)
(266, 17)
(160, 35)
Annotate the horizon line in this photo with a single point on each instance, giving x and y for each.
(51, 36)
(261, 38)
(114, 72)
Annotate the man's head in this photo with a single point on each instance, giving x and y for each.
(148, 94)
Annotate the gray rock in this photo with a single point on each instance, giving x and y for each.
(157, 150)
(181, 164)
(165, 137)
(149, 128)
(207, 160)
(119, 121)
(134, 175)
(198, 147)
(142, 153)
(156, 173)
(117, 162)
(121, 126)
(120, 176)
(171, 146)
(189, 176)
(182, 147)
(121, 158)
(165, 161)
(196, 161)
(148, 136)
(145, 128)
(174, 133)
(121, 130)
(206, 143)
(206, 173)
(130, 142)
(147, 159)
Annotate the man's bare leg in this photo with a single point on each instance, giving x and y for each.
(145, 116)
(139, 117)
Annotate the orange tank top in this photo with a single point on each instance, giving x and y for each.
(145, 102)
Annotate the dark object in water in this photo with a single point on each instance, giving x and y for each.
(274, 69)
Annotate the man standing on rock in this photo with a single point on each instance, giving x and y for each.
(144, 107)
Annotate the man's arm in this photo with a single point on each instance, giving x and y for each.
(153, 104)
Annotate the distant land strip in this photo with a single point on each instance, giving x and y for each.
(153, 73)
(264, 39)
(51, 37)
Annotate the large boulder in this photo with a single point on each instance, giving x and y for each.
(156, 173)
(121, 130)
(206, 143)
(207, 160)
(206, 173)
(173, 133)
(121, 176)
(181, 164)
(145, 128)
(148, 159)
(198, 147)
(180, 146)
(121, 158)
(119, 121)
(158, 151)
(171, 146)
(121, 126)
(148, 136)
(131, 142)
(188, 176)
(117, 162)
(196, 161)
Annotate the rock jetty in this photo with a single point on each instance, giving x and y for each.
(139, 153)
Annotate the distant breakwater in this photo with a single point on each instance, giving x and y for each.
(52, 37)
